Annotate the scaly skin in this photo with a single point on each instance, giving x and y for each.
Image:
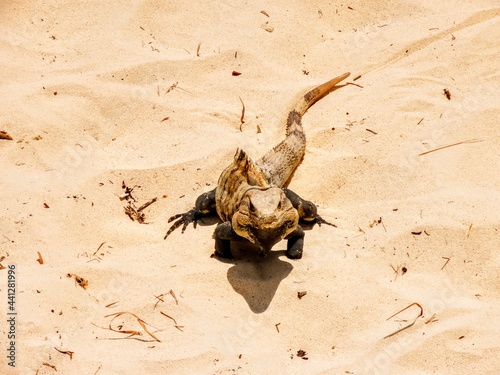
(251, 199)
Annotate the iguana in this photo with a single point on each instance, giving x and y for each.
(252, 199)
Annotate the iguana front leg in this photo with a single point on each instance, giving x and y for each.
(223, 235)
(295, 245)
(307, 210)
(204, 206)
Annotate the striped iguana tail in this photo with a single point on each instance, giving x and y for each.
(280, 162)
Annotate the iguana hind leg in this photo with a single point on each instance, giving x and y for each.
(204, 206)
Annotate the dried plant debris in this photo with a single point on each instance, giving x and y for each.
(301, 294)
(242, 118)
(84, 283)
(445, 263)
(94, 256)
(171, 87)
(40, 259)
(160, 298)
(118, 328)
(5, 135)
(175, 322)
(377, 222)
(131, 210)
(447, 93)
(171, 292)
(409, 325)
(432, 319)
(475, 140)
(68, 352)
(49, 365)
(302, 354)
(267, 27)
(134, 215)
(127, 194)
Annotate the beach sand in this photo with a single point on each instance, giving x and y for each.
(102, 95)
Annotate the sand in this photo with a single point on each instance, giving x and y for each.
(104, 93)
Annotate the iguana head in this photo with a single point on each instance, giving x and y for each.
(265, 217)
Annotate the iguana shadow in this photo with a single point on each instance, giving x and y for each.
(257, 280)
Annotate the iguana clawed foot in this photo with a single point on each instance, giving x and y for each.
(319, 220)
(184, 219)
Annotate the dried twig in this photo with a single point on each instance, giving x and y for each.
(49, 365)
(409, 325)
(376, 222)
(173, 295)
(468, 231)
(175, 322)
(242, 118)
(168, 316)
(445, 263)
(40, 259)
(431, 319)
(135, 214)
(451, 145)
(68, 352)
(147, 204)
(160, 299)
(277, 327)
(172, 86)
(396, 271)
(99, 248)
(5, 135)
(354, 84)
